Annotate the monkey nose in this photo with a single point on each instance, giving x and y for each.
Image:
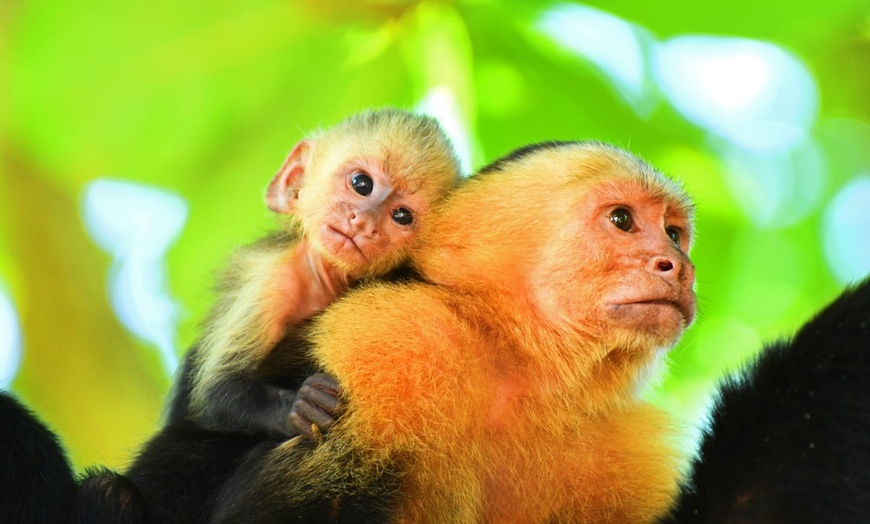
(674, 268)
(362, 223)
(665, 267)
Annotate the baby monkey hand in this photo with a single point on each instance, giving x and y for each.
(316, 407)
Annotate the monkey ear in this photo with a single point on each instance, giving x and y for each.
(284, 187)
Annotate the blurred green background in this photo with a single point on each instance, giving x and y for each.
(136, 140)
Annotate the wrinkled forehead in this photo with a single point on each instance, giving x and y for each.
(649, 185)
(615, 174)
(632, 191)
(408, 168)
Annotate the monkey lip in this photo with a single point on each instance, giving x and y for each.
(686, 309)
(338, 241)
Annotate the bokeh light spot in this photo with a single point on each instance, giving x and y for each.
(776, 189)
(846, 231)
(752, 93)
(440, 103)
(10, 341)
(615, 46)
(136, 224)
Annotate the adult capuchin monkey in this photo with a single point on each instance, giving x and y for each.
(502, 386)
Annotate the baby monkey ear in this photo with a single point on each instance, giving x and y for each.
(284, 188)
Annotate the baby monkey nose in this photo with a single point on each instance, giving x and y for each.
(363, 222)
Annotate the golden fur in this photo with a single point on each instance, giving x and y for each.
(499, 387)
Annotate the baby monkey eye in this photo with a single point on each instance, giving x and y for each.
(362, 183)
(621, 218)
(673, 234)
(403, 216)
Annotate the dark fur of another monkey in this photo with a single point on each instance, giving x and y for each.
(788, 440)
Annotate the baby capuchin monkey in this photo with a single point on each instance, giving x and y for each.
(503, 385)
(355, 196)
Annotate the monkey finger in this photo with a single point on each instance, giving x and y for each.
(314, 414)
(322, 400)
(315, 430)
(303, 426)
(324, 382)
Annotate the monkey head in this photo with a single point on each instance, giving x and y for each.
(591, 238)
(359, 191)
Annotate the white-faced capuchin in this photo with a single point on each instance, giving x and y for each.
(356, 196)
(503, 385)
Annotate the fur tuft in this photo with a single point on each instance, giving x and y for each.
(106, 497)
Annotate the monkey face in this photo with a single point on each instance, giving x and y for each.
(359, 190)
(633, 278)
(364, 218)
(651, 289)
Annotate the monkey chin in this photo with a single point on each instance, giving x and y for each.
(342, 247)
(656, 322)
(341, 250)
(357, 260)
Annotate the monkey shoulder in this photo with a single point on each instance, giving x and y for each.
(253, 266)
(384, 322)
(396, 350)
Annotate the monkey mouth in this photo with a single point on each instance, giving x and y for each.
(339, 242)
(686, 309)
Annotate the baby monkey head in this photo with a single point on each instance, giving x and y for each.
(360, 190)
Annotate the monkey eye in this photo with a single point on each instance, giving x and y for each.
(362, 183)
(673, 234)
(621, 218)
(403, 216)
